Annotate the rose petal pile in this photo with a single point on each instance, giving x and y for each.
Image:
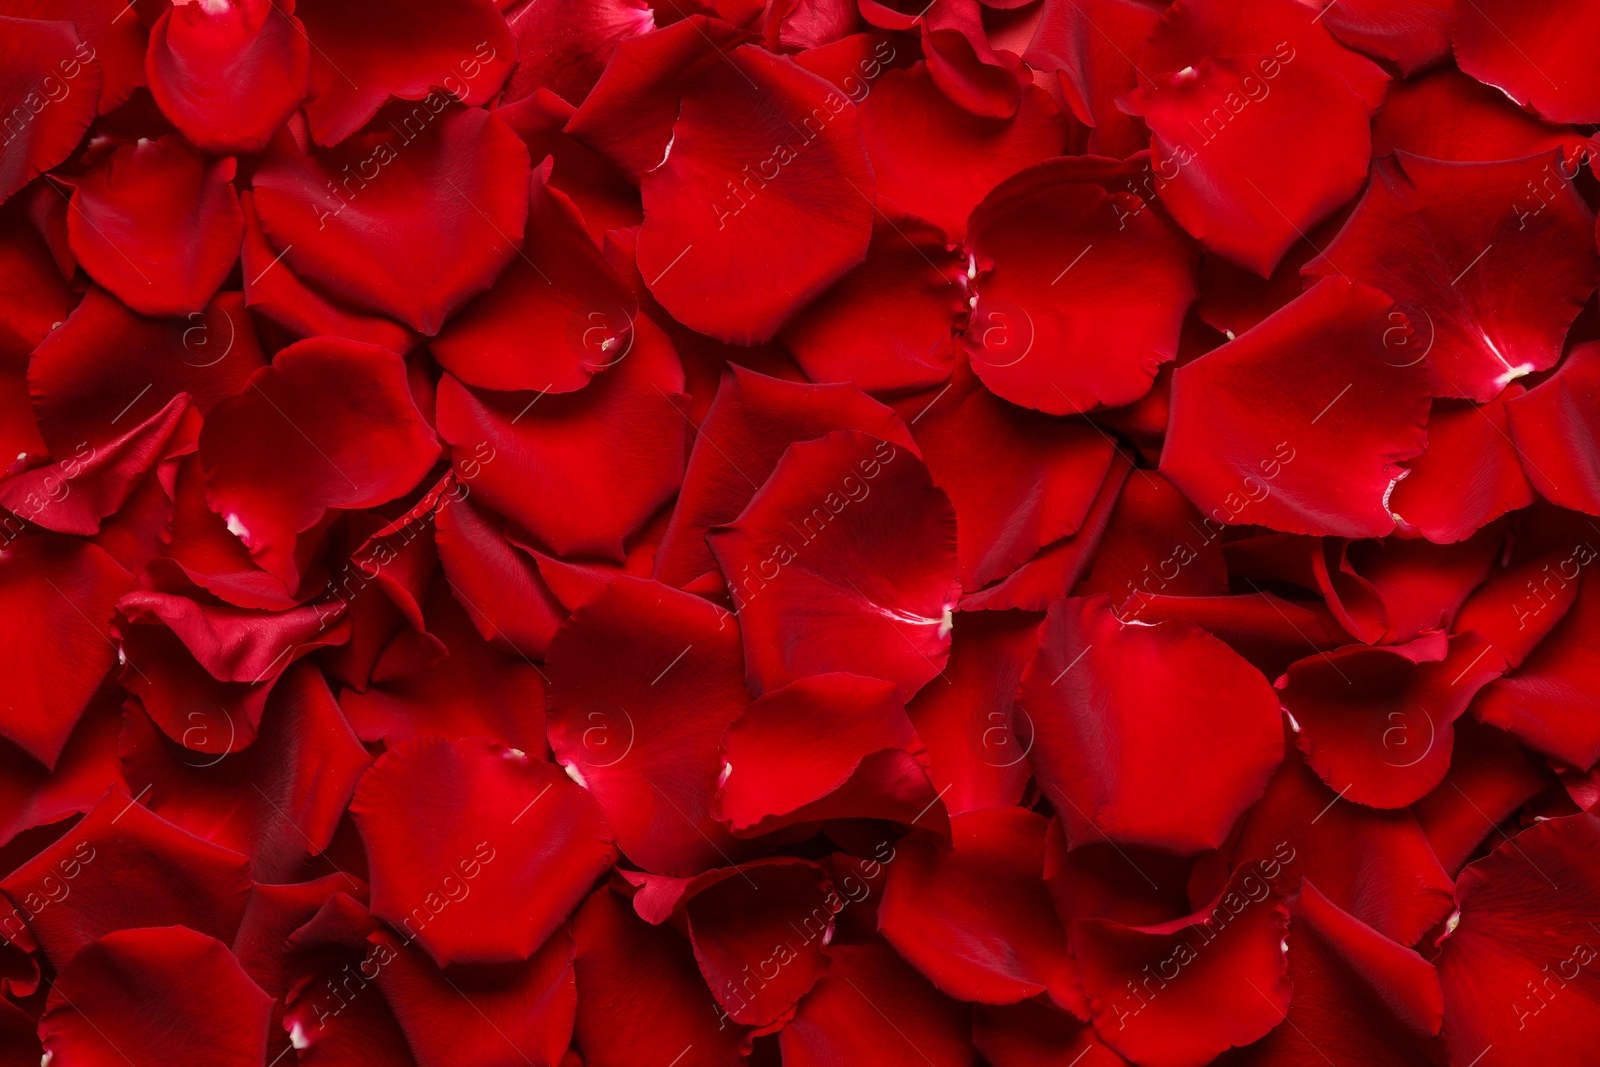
(799, 533)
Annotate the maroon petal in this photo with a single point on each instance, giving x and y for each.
(721, 247)
(872, 1008)
(278, 802)
(935, 160)
(582, 473)
(1323, 457)
(1229, 135)
(365, 53)
(1556, 432)
(1514, 956)
(644, 679)
(79, 396)
(1177, 994)
(1494, 42)
(618, 955)
(563, 46)
(1034, 1034)
(157, 225)
(156, 995)
(411, 220)
(1152, 735)
(1031, 485)
(831, 746)
(754, 418)
(978, 744)
(974, 915)
(42, 57)
(66, 590)
(330, 424)
(864, 582)
(490, 834)
(1081, 291)
(1343, 969)
(229, 75)
(1494, 286)
(123, 867)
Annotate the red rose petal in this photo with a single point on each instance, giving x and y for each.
(411, 220)
(721, 246)
(644, 679)
(1413, 34)
(33, 51)
(564, 46)
(1195, 730)
(66, 590)
(156, 995)
(160, 202)
(1555, 429)
(1323, 457)
(364, 53)
(1495, 43)
(1493, 284)
(497, 583)
(975, 916)
(1444, 114)
(1032, 1033)
(1092, 44)
(1491, 776)
(32, 794)
(493, 836)
(228, 75)
(981, 79)
(330, 424)
(1156, 544)
(1081, 290)
(863, 582)
(584, 472)
(1469, 476)
(1177, 994)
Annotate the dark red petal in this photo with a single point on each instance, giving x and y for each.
(1034, 1034)
(1265, 629)
(411, 220)
(977, 743)
(754, 418)
(1342, 969)
(1526, 595)
(935, 160)
(1305, 827)
(1177, 994)
(1376, 724)
(279, 801)
(1513, 964)
(584, 472)
(518, 1014)
(872, 1008)
(1159, 736)
(620, 954)
(1549, 702)
(228, 75)
(1491, 287)
(65, 589)
(862, 581)
(1469, 476)
(213, 558)
(1092, 43)
(364, 53)
(831, 746)
(1194, 29)
(124, 867)
(19, 1038)
(157, 225)
(1444, 114)
(80, 396)
(1494, 43)
(564, 45)
(34, 795)
(978, 77)
(447, 822)
(1229, 144)
(32, 51)
(1081, 290)
(974, 915)
(156, 995)
(559, 290)
(330, 424)
(890, 323)
(1413, 34)
(498, 584)
(1323, 457)
(1491, 776)
(1032, 484)
(607, 199)
(722, 246)
(644, 679)
(1157, 544)
(1106, 881)
(1557, 432)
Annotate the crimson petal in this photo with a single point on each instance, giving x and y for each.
(1494, 39)
(37, 55)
